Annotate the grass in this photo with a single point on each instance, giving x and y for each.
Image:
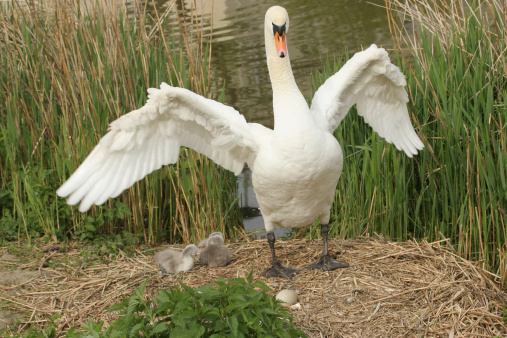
(66, 72)
(456, 187)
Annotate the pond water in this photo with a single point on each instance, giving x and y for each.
(317, 30)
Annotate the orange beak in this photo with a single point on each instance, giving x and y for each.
(281, 45)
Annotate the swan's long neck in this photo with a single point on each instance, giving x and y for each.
(280, 73)
(289, 106)
(280, 70)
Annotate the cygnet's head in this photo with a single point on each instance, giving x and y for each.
(204, 242)
(218, 233)
(216, 240)
(189, 251)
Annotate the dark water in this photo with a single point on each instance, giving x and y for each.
(318, 29)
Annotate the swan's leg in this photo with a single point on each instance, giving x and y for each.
(326, 262)
(278, 269)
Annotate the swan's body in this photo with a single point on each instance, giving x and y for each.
(174, 261)
(293, 183)
(215, 254)
(295, 167)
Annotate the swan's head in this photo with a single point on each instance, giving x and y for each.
(276, 27)
(189, 251)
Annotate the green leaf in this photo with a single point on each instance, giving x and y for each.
(261, 285)
(233, 324)
(195, 331)
(116, 307)
(160, 328)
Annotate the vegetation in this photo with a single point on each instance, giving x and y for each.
(55, 61)
(456, 187)
(230, 308)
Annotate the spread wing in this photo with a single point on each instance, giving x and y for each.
(145, 139)
(376, 86)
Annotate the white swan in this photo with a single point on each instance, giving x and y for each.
(295, 167)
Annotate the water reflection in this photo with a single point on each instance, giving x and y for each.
(317, 30)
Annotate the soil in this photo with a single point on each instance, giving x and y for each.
(391, 289)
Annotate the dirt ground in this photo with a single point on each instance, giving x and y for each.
(391, 289)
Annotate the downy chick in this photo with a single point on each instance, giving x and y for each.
(215, 253)
(174, 261)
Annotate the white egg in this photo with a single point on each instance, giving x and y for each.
(287, 296)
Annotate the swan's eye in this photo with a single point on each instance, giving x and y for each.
(278, 29)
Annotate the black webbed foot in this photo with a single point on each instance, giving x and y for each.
(280, 270)
(327, 263)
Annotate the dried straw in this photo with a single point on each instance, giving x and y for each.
(390, 290)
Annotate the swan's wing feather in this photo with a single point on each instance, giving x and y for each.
(376, 86)
(146, 139)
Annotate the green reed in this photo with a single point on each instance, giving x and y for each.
(65, 75)
(456, 187)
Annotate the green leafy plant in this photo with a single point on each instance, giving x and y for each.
(227, 308)
(48, 332)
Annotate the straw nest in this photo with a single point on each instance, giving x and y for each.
(390, 290)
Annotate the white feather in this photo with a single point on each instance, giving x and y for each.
(369, 80)
(145, 139)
